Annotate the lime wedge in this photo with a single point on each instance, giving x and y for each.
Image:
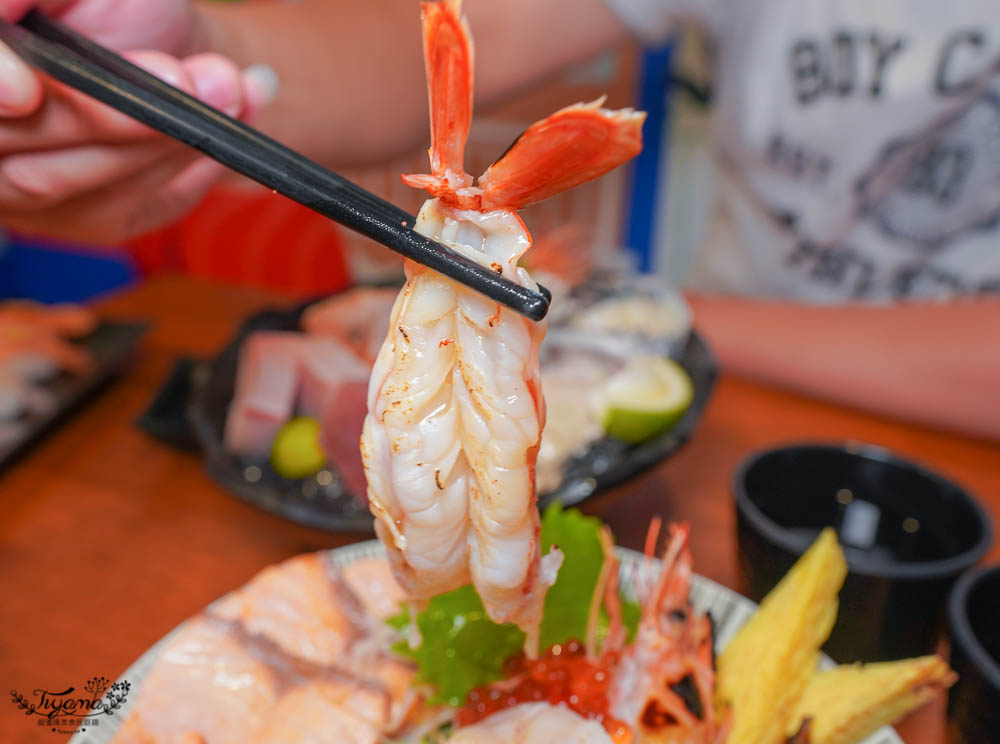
(644, 399)
(296, 452)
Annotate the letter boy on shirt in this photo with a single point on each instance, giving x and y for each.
(857, 144)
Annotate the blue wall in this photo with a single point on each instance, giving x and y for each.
(647, 178)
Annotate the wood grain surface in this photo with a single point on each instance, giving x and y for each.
(109, 539)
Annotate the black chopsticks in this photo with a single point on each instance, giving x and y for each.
(91, 69)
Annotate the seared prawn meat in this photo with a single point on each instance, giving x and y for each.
(455, 407)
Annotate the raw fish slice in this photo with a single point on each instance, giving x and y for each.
(317, 713)
(356, 318)
(300, 606)
(327, 367)
(571, 422)
(291, 656)
(284, 371)
(372, 581)
(341, 423)
(205, 686)
(533, 723)
(267, 382)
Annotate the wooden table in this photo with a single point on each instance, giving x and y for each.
(109, 539)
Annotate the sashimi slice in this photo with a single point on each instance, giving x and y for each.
(317, 714)
(205, 686)
(372, 580)
(341, 424)
(266, 385)
(327, 366)
(301, 607)
(281, 372)
(356, 318)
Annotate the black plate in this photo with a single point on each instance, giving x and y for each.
(325, 503)
(110, 345)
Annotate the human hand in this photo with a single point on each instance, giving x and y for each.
(73, 168)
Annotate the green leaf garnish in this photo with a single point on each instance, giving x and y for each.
(461, 648)
(568, 600)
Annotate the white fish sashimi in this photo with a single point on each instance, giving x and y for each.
(356, 318)
(315, 714)
(204, 684)
(266, 385)
(326, 367)
(281, 372)
(533, 723)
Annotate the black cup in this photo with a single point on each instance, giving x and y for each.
(907, 534)
(974, 630)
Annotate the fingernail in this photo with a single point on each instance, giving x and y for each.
(262, 84)
(18, 86)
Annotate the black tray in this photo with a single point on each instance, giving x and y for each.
(326, 504)
(110, 345)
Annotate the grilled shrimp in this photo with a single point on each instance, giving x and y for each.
(455, 409)
(664, 683)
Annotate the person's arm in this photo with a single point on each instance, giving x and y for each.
(934, 363)
(353, 89)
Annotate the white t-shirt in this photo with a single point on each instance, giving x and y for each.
(857, 143)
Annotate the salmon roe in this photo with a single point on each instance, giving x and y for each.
(563, 674)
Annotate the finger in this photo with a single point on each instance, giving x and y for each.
(13, 10)
(180, 194)
(20, 88)
(67, 118)
(217, 81)
(34, 181)
(119, 211)
(172, 26)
